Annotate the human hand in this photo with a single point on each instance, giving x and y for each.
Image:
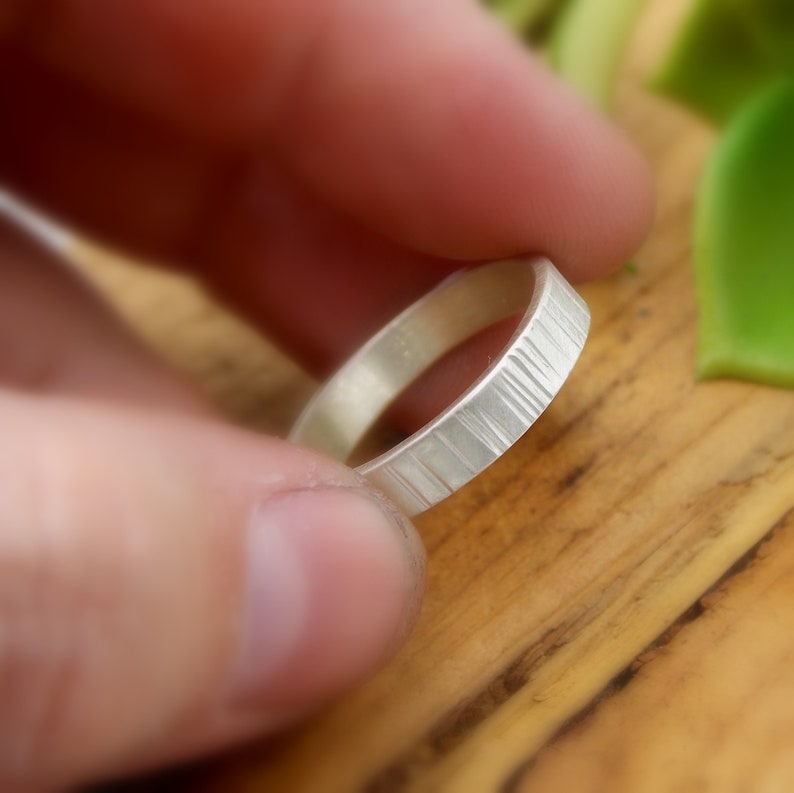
(169, 584)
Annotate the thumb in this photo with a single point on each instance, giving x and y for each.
(168, 586)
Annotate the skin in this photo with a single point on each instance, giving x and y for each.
(169, 584)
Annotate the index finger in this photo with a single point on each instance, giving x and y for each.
(424, 121)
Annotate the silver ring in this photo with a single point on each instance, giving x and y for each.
(490, 416)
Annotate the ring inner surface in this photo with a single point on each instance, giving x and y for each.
(467, 303)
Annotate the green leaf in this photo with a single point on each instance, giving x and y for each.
(588, 43)
(744, 245)
(526, 17)
(726, 51)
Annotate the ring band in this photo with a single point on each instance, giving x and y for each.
(490, 416)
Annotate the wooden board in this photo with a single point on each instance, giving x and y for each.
(558, 574)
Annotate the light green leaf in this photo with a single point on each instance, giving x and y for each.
(588, 44)
(744, 245)
(525, 17)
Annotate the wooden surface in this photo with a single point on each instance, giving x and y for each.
(611, 606)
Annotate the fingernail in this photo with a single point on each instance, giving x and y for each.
(333, 582)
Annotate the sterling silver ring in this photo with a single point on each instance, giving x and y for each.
(492, 414)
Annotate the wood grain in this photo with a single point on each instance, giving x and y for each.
(708, 711)
(552, 573)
